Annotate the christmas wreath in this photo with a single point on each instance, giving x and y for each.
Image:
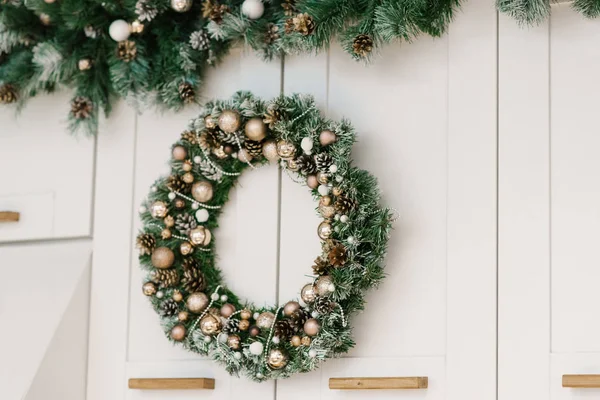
(177, 246)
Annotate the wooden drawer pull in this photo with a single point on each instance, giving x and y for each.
(414, 382)
(581, 381)
(171, 383)
(9, 216)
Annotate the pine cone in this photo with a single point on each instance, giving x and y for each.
(321, 266)
(184, 223)
(81, 107)
(169, 308)
(208, 140)
(190, 263)
(229, 138)
(127, 50)
(177, 184)
(343, 205)
(165, 278)
(272, 33)
(297, 319)
(211, 9)
(193, 280)
(8, 94)
(232, 326)
(283, 330)
(323, 162)
(289, 7)
(254, 148)
(187, 93)
(146, 243)
(306, 164)
(304, 24)
(199, 40)
(362, 45)
(273, 115)
(338, 255)
(323, 305)
(189, 136)
(145, 10)
(289, 26)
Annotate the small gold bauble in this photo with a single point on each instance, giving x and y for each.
(181, 5)
(210, 324)
(290, 307)
(324, 230)
(269, 150)
(256, 129)
(244, 324)
(327, 211)
(209, 122)
(227, 310)
(183, 316)
(327, 137)
(336, 191)
(45, 19)
(197, 302)
(178, 332)
(202, 191)
(254, 331)
(325, 201)
(285, 149)
(149, 288)
(245, 314)
(229, 121)
(162, 258)
(177, 296)
(324, 285)
(158, 209)
(265, 319)
(277, 359)
(200, 236)
(296, 341)
(305, 341)
(322, 178)
(186, 248)
(179, 153)
(234, 342)
(312, 327)
(188, 177)
(308, 293)
(137, 27)
(169, 221)
(187, 166)
(312, 181)
(84, 64)
(179, 203)
(292, 165)
(166, 233)
(244, 156)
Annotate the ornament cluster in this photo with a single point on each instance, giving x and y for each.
(176, 245)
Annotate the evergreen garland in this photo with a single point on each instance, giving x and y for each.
(262, 342)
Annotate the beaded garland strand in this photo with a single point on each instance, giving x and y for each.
(177, 248)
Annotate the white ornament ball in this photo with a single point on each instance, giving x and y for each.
(344, 218)
(337, 217)
(197, 159)
(339, 178)
(195, 206)
(314, 314)
(160, 295)
(312, 353)
(351, 239)
(256, 348)
(259, 375)
(276, 339)
(222, 338)
(256, 315)
(307, 145)
(119, 30)
(181, 5)
(154, 189)
(253, 9)
(323, 190)
(224, 297)
(207, 339)
(333, 168)
(202, 215)
(237, 355)
(172, 196)
(214, 297)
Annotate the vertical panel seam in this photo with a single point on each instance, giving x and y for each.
(497, 202)
(549, 198)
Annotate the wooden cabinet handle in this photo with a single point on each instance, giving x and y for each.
(414, 382)
(9, 216)
(581, 381)
(171, 383)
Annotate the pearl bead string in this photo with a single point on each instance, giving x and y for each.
(271, 332)
(180, 237)
(344, 320)
(215, 166)
(245, 159)
(197, 202)
(287, 172)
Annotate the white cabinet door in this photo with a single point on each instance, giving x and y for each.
(549, 206)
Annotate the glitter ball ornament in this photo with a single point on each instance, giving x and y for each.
(149, 288)
(202, 191)
(312, 327)
(253, 9)
(324, 285)
(265, 319)
(229, 121)
(181, 6)
(188, 177)
(290, 307)
(327, 137)
(256, 348)
(277, 359)
(269, 150)
(158, 209)
(162, 258)
(210, 324)
(324, 230)
(119, 30)
(255, 128)
(308, 293)
(178, 332)
(197, 302)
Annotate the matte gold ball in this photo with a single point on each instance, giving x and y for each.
(183, 316)
(244, 324)
(229, 121)
(187, 166)
(324, 230)
(312, 327)
(209, 122)
(210, 324)
(324, 285)
(200, 236)
(178, 332)
(308, 293)
(227, 310)
(149, 288)
(202, 191)
(245, 314)
(312, 181)
(188, 177)
(327, 137)
(286, 149)
(166, 233)
(169, 221)
(186, 248)
(254, 331)
(269, 150)
(290, 307)
(296, 341)
(179, 153)
(197, 302)
(234, 342)
(336, 191)
(158, 209)
(277, 359)
(177, 296)
(305, 341)
(163, 258)
(256, 129)
(265, 319)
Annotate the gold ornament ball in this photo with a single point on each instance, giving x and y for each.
(286, 149)
(277, 359)
(322, 178)
(305, 341)
(84, 64)
(244, 156)
(181, 5)
(209, 122)
(337, 191)
(163, 257)
(269, 150)
(312, 327)
(227, 310)
(179, 203)
(177, 296)
(200, 236)
(325, 201)
(254, 331)
(290, 307)
(137, 27)
(245, 314)
(327, 137)
(312, 181)
(256, 129)
(292, 165)
(188, 177)
(324, 230)
(183, 316)
(308, 293)
(158, 209)
(327, 211)
(324, 285)
(244, 324)
(229, 121)
(178, 332)
(210, 324)
(265, 319)
(169, 221)
(149, 288)
(197, 302)
(186, 248)
(202, 191)
(166, 233)
(234, 342)
(179, 153)
(187, 166)
(296, 341)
